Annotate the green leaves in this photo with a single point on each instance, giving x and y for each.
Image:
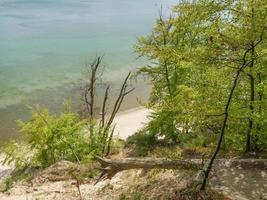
(47, 138)
(195, 54)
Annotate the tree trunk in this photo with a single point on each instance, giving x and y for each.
(245, 63)
(252, 85)
(252, 99)
(112, 167)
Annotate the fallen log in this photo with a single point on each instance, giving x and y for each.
(110, 167)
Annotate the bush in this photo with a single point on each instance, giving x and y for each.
(47, 138)
(142, 142)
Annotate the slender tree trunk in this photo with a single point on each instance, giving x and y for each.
(207, 169)
(252, 88)
(251, 108)
(260, 93)
(167, 77)
(245, 63)
(257, 126)
(224, 124)
(165, 31)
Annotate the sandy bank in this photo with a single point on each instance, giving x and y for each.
(130, 121)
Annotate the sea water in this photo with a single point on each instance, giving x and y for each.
(45, 46)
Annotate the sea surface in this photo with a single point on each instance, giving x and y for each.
(45, 46)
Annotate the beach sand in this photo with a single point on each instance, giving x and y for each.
(130, 121)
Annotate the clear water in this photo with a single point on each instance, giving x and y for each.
(45, 44)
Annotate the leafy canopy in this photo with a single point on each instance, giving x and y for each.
(193, 56)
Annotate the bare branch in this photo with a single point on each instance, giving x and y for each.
(103, 114)
(89, 99)
(118, 102)
(94, 67)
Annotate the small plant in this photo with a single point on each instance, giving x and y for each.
(142, 142)
(6, 185)
(135, 196)
(138, 196)
(123, 197)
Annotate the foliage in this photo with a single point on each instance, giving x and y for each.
(47, 138)
(200, 195)
(136, 196)
(142, 142)
(194, 55)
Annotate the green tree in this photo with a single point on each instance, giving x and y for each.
(194, 55)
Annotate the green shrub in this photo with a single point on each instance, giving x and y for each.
(47, 138)
(142, 138)
(138, 196)
(135, 196)
(162, 125)
(142, 141)
(123, 197)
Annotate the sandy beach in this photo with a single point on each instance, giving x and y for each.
(130, 121)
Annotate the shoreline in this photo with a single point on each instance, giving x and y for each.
(52, 100)
(127, 123)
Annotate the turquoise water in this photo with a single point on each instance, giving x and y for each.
(46, 44)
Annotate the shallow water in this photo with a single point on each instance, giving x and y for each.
(46, 44)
